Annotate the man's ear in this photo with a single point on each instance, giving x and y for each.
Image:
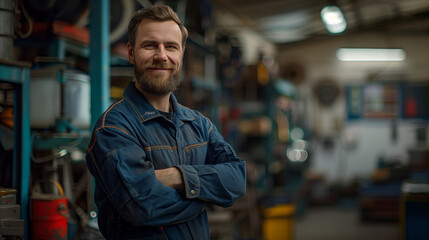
(130, 53)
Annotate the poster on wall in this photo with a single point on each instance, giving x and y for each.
(380, 101)
(354, 102)
(415, 101)
(386, 101)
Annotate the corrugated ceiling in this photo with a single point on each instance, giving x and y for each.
(290, 21)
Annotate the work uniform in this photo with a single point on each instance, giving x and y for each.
(132, 139)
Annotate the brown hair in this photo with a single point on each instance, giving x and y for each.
(159, 13)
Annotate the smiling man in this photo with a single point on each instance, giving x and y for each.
(157, 164)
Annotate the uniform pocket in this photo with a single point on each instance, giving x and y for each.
(196, 153)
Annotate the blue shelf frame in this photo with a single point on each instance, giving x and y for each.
(99, 58)
(18, 74)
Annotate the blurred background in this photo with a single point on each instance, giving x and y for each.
(326, 100)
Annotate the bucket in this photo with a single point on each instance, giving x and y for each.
(278, 222)
(49, 215)
(7, 18)
(50, 99)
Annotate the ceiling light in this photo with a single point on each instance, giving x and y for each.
(334, 19)
(370, 54)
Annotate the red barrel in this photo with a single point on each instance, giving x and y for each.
(49, 214)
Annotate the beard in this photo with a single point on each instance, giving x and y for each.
(157, 83)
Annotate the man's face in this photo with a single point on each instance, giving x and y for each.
(157, 56)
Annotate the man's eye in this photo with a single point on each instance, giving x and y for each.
(149, 46)
(172, 47)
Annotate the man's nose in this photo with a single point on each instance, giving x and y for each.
(160, 54)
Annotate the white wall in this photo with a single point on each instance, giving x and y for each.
(319, 61)
(373, 140)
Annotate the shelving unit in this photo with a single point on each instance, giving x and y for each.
(18, 74)
(200, 89)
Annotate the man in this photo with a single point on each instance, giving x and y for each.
(157, 165)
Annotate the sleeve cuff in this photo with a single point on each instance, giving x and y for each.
(191, 181)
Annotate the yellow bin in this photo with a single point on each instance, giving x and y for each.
(278, 222)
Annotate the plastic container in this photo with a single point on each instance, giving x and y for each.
(278, 223)
(59, 94)
(49, 216)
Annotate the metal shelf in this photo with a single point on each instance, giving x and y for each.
(18, 74)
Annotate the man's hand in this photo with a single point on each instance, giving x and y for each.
(170, 177)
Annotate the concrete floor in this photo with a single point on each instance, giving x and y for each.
(336, 223)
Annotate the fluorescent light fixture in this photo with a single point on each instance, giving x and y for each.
(334, 19)
(370, 54)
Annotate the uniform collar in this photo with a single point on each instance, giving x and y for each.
(146, 111)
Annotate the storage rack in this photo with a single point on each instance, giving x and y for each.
(18, 74)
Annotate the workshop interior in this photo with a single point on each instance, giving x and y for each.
(327, 101)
